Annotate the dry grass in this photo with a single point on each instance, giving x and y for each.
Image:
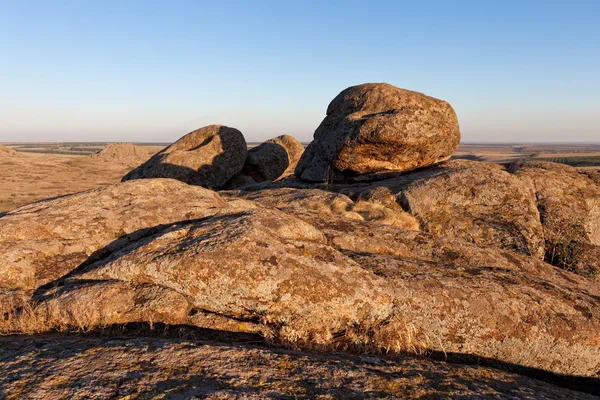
(30, 318)
(377, 337)
(29, 177)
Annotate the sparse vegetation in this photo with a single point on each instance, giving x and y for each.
(565, 242)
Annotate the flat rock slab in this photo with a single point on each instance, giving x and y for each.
(77, 367)
(43, 241)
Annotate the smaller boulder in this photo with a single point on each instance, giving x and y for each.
(269, 161)
(208, 157)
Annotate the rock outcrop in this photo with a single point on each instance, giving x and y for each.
(569, 204)
(208, 157)
(475, 202)
(457, 297)
(124, 153)
(245, 264)
(301, 267)
(43, 241)
(7, 151)
(378, 128)
(364, 250)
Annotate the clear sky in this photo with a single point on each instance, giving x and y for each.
(154, 70)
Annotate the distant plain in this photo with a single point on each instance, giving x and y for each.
(42, 170)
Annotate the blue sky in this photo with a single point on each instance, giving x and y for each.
(526, 71)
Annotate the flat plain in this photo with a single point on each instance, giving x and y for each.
(42, 170)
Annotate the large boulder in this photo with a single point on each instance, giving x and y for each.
(378, 128)
(43, 241)
(569, 204)
(208, 157)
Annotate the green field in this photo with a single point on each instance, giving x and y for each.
(584, 161)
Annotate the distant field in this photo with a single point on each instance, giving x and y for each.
(577, 155)
(77, 148)
(44, 170)
(591, 161)
(67, 148)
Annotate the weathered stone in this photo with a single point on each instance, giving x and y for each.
(316, 204)
(308, 268)
(569, 204)
(476, 202)
(208, 157)
(378, 128)
(43, 241)
(452, 296)
(148, 367)
(249, 264)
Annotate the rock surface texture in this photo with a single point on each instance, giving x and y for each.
(378, 128)
(304, 268)
(81, 368)
(43, 241)
(569, 204)
(208, 157)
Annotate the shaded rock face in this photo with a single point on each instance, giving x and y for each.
(595, 176)
(208, 157)
(378, 128)
(569, 204)
(269, 161)
(43, 241)
(273, 158)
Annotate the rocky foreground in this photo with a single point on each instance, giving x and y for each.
(364, 251)
(80, 367)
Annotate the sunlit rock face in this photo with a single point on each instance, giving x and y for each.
(43, 241)
(208, 157)
(376, 128)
